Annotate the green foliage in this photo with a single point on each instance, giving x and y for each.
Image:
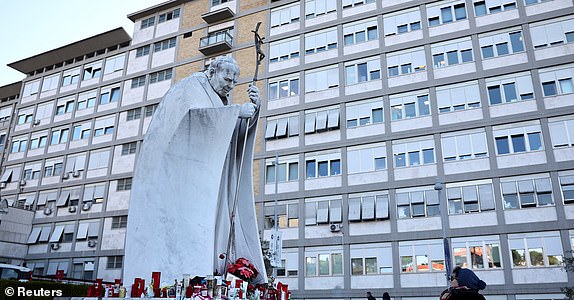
(68, 290)
(568, 267)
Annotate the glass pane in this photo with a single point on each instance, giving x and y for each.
(510, 201)
(452, 57)
(423, 102)
(502, 48)
(400, 160)
(518, 259)
(466, 55)
(516, 42)
(323, 264)
(446, 14)
(460, 11)
(536, 257)
(549, 88)
(311, 266)
(337, 263)
(428, 156)
(335, 167)
(311, 169)
(510, 92)
(459, 256)
(476, 257)
(410, 110)
(407, 264)
(422, 263)
(323, 168)
(566, 86)
(455, 207)
(518, 143)
(414, 158)
(480, 8)
(534, 141)
(356, 266)
(371, 265)
(487, 51)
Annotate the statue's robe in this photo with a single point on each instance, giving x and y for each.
(184, 184)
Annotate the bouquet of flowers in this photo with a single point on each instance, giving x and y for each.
(243, 269)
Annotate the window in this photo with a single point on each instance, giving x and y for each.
(537, 249)
(129, 148)
(321, 41)
(286, 171)
(368, 207)
(420, 203)
(366, 158)
(160, 76)
(409, 105)
(453, 53)
(50, 82)
(31, 88)
(283, 88)
(138, 82)
(115, 262)
(406, 62)
(557, 82)
(478, 253)
(421, 256)
(321, 121)
(282, 128)
(19, 144)
(355, 3)
(59, 136)
(517, 140)
(561, 132)
(150, 109)
(71, 76)
(357, 72)
(468, 145)
(104, 125)
(287, 216)
(469, 198)
(522, 193)
(86, 100)
(124, 184)
(323, 212)
(322, 167)
(164, 45)
(119, 222)
(364, 266)
(114, 64)
(317, 8)
(25, 117)
(81, 131)
(64, 106)
(110, 95)
(413, 154)
(147, 22)
(53, 168)
(285, 15)
(545, 34)
(283, 50)
(567, 186)
(446, 12)
(360, 32)
(485, 7)
(506, 89)
(142, 51)
(457, 97)
(403, 22)
(92, 71)
(174, 14)
(134, 114)
(501, 44)
(224, 35)
(322, 79)
(364, 113)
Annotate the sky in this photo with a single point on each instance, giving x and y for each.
(31, 27)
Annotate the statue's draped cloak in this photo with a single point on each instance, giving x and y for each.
(184, 185)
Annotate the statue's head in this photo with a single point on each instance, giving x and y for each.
(222, 74)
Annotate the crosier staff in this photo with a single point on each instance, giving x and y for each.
(259, 56)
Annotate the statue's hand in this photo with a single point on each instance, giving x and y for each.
(247, 110)
(253, 93)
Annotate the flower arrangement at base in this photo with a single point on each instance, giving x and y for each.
(243, 269)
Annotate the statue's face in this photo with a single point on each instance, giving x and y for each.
(223, 80)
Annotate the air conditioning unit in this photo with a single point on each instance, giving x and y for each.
(335, 227)
(22, 182)
(48, 211)
(72, 209)
(76, 174)
(87, 206)
(36, 122)
(55, 246)
(92, 243)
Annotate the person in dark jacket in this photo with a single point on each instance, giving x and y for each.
(465, 285)
(386, 296)
(370, 296)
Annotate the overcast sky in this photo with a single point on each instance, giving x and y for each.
(31, 27)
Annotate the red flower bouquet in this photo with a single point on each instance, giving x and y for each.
(243, 269)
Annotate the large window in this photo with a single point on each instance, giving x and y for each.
(160, 76)
(317, 8)
(142, 51)
(413, 154)
(110, 94)
(510, 88)
(518, 140)
(552, 33)
(321, 79)
(72, 76)
(164, 17)
(285, 15)
(523, 193)
(452, 53)
(402, 22)
(464, 145)
(283, 50)
(366, 158)
(324, 264)
(409, 105)
(317, 42)
(561, 132)
(286, 170)
(567, 186)
(360, 32)
(457, 97)
(321, 121)
(164, 45)
(469, 197)
(287, 215)
(114, 63)
(417, 203)
(537, 249)
(323, 211)
(368, 207)
(119, 222)
(284, 127)
(149, 22)
(406, 62)
(557, 81)
(484, 7)
(446, 12)
(50, 82)
(500, 44)
(369, 259)
(362, 70)
(93, 70)
(421, 256)
(322, 167)
(115, 262)
(478, 253)
(364, 113)
(284, 87)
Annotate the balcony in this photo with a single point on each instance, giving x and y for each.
(216, 42)
(218, 15)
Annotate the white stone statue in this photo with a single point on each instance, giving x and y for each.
(186, 179)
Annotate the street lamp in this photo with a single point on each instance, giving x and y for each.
(443, 214)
